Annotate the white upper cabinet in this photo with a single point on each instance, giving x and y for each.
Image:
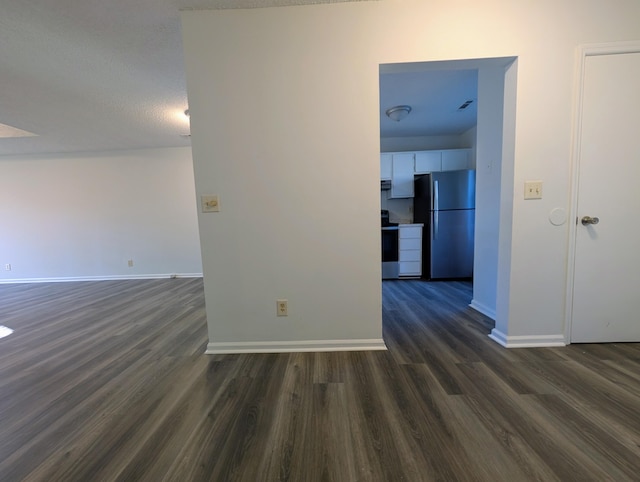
(385, 166)
(428, 161)
(401, 167)
(402, 171)
(456, 159)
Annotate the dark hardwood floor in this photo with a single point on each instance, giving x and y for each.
(107, 381)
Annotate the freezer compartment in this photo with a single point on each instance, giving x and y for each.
(453, 190)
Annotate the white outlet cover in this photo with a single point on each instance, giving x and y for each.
(282, 308)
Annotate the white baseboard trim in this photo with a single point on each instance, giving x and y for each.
(100, 278)
(484, 309)
(525, 341)
(223, 348)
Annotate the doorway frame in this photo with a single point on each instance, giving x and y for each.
(583, 51)
(506, 169)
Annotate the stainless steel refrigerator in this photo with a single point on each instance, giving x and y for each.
(445, 203)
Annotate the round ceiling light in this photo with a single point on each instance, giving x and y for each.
(398, 112)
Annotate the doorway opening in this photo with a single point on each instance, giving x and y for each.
(459, 116)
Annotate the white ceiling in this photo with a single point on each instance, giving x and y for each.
(434, 96)
(96, 75)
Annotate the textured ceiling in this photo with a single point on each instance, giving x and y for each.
(96, 75)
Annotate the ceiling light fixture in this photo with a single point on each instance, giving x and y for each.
(398, 112)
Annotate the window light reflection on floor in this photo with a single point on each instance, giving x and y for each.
(4, 331)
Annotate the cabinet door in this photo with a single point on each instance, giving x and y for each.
(409, 244)
(410, 251)
(409, 255)
(402, 175)
(385, 166)
(455, 159)
(409, 232)
(428, 161)
(410, 268)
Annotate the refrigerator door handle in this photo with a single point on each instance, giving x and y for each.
(435, 224)
(436, 207)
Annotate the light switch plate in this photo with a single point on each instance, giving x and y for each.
(210, 204)
(533, 190)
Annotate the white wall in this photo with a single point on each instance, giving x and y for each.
(274, 135)
(469, 139)
(284, 106)
(505, 326)
(83, 216)
(491, 86)
(424, 143)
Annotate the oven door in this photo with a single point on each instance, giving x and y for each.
(390, 265)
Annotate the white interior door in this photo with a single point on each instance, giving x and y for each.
(606, 283)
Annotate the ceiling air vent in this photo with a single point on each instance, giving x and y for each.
(465, 105)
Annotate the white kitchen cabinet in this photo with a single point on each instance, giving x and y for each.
(401, 167)
(428, 161)
(410, 250)
(385, 166)
(402, 171)
(456, 159)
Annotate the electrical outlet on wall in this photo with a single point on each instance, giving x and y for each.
(282, 307)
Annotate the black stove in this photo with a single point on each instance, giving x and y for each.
(384, 219)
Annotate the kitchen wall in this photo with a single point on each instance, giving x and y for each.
(424, 143)
(84, 216)
(400, 210)
(299, 183)
(469, 139)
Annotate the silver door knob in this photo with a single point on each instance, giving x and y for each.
(587, 220)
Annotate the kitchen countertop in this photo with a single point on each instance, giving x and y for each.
(408, 225)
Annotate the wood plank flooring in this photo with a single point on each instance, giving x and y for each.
(107, 381)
